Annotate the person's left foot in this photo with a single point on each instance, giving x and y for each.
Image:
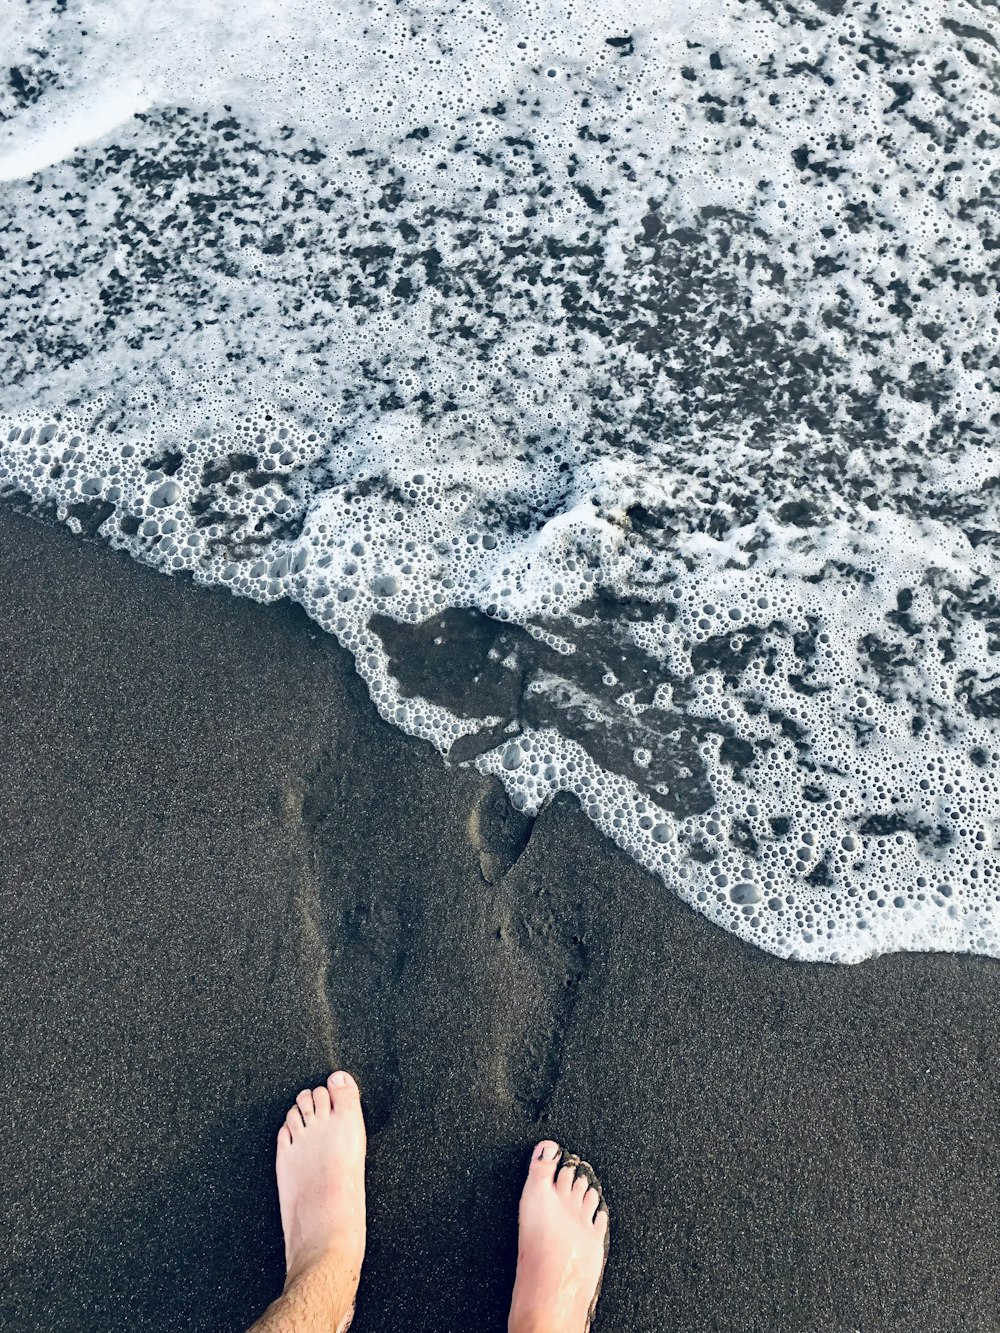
(321, 1187)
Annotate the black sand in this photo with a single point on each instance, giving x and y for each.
(223, 875)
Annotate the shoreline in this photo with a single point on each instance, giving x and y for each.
(223, 873)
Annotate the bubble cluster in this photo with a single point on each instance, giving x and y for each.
(619, 387)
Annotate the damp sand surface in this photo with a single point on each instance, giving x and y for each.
(223, 874)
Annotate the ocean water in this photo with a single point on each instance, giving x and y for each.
(618, 383)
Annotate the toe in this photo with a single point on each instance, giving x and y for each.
(544, 1160)
(321, 1100)
(304, 1101)
(601, 1221)
(343, 1089)
(284, 1137)
(564, 1179)
(293, 1122)
(591, 1203)
(580, 1187)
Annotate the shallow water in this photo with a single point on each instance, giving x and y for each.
(621, 390)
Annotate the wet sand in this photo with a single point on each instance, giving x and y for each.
(223, 875)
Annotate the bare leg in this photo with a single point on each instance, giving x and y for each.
(561, 1248)
(321, 1187)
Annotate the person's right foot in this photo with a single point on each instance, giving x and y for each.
(561, 1247)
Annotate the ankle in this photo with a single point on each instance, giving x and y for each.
(320, 1266)
(530, 1321)
(321, 1287)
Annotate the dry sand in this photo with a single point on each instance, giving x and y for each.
(223, 875)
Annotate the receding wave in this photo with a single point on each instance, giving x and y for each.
(620, 388)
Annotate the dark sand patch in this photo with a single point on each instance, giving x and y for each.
(223, 874)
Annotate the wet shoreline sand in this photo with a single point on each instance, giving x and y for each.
(223, 874)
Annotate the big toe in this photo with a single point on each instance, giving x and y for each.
(344, 1093)
(544, 1160)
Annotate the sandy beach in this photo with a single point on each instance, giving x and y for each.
(224, 875)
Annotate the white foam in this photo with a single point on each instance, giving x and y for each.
(30, 149)
(432, 308)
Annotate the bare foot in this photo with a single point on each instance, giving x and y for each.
(321, 1186)
(561, 1247)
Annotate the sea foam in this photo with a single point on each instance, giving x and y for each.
(618, 383)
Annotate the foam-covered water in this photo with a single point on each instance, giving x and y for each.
(619, 384)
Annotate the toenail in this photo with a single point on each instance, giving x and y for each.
(339, 1079)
